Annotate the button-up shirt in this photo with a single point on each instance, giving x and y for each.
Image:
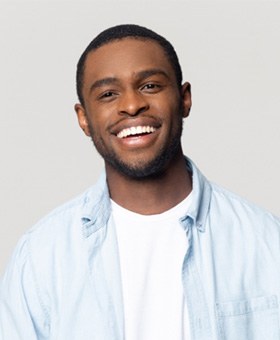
(63, 281)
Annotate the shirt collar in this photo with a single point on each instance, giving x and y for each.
(201, 197)
(96, 209)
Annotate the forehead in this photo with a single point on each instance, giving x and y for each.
(125, 57)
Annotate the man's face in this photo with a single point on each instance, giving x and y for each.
(133, 107)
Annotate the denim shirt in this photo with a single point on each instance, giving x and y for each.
(63, 281)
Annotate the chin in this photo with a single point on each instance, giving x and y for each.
(142, 169)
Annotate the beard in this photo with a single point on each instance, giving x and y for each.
(143, 169)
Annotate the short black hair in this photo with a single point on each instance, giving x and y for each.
(125, 31)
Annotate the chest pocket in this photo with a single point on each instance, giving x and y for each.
(255, 319)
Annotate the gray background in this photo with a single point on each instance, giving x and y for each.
(229, 51)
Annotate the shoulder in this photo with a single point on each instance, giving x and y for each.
(69, 214)
(56, 242)
(234, 209)
(61, 217)
(62, 229)
(227, 209)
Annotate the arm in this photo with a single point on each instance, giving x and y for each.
(22, 314)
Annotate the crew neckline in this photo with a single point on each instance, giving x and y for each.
(178, 211)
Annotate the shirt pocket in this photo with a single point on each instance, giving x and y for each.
(254, 319)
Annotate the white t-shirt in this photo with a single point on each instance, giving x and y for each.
(152, 249)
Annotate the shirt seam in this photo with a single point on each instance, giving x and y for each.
(36, 284)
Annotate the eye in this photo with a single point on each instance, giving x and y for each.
(107, 95)
(151, 87)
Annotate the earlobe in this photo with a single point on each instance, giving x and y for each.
(82, 118)
(187, 99)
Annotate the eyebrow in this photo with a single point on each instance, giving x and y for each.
(140, 75)
(103, 82)
(154, 71)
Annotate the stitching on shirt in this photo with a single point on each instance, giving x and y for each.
(44, 309)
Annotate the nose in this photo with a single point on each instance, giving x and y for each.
(132, 103)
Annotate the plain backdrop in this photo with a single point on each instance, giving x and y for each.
(229, 51)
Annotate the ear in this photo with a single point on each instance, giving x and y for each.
(82, 118)
(187, 99)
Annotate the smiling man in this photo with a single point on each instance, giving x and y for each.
(132, 107)
(153, 250)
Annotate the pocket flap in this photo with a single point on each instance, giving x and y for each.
(233, 308)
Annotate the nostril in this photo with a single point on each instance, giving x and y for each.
(133, 104)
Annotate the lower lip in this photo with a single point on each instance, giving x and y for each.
(139, 141)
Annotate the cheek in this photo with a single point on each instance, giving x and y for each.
(100, 117)
(173, 113)
(94, 124)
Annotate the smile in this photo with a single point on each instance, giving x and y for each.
(136, 130)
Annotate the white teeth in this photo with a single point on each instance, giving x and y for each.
(138, 129)
(135, 131)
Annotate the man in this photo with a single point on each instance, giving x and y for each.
(153, 250)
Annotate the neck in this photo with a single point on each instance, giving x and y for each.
(151, 195)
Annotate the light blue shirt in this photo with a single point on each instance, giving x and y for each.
(63, 281)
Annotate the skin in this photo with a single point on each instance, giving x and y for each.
(130, 83)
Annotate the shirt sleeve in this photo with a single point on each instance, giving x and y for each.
(22, 313)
